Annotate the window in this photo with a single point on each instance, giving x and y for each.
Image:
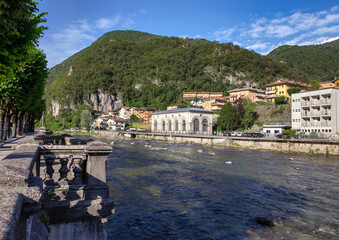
(155, 125)
(205, 125)
(184, 125)
(169, 125)
(163, 126)
(176, 126)
(196, 125)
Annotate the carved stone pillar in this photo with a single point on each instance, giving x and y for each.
(77, 170)
(49, 159)
(63, 169)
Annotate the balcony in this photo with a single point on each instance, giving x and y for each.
(305, 104)
(315, 103)
(305, 114)
(271, 92)
(326, 102)
(260, 95)
(272, 96)
(326, 124)
(315, 114)
(326, 113)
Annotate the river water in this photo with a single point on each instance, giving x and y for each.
(172, 191)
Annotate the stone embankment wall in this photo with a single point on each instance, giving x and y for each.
(309, 146)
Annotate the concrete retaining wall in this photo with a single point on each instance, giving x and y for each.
(309, 146)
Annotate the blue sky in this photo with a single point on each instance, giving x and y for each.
(259, 25)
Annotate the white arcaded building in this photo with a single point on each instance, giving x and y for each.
(316, 111)
(183, 121)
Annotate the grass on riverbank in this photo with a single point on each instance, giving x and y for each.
(77, 132)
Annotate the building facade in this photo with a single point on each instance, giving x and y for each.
(253, 94)
(116, 124)
(316, 111)
(188, 95)
(183, 121)
(215, 104)
(280, 87)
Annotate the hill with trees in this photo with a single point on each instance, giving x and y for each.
(317, 62)
(152, 71)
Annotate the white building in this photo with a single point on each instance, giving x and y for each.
(183, 120)
(124, 113)
(116, 124)
(316, 111)
(273, 129)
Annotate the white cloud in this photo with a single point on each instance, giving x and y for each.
(329, 40)
(80, 34)
(117, 20)
(223, 35)
(298, 28)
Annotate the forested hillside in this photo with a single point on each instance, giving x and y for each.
(319, 62)
(153, 71)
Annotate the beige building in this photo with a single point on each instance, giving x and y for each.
(183, 121)
(316, 111)
(215, 104)
(187, 95)
(253, 94)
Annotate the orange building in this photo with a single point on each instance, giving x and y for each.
(215, 104)
(330, 84)
(253, 94)
(172, 107)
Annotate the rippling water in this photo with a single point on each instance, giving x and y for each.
(170, 191)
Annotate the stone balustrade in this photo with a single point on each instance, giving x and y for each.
(47, 174)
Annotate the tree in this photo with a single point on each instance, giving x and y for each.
(133, 118)
(228, 118)
(248, 118)
(86, 119)
(76, 120)
(239, 109)
(280, 100)
(20, 61)
(292, 90)
(315, 85)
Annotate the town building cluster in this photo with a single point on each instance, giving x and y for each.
(117, 120)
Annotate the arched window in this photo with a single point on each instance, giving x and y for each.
(155, 125)
(183, 125)
(204, 125)
(163, 126)
(169, 125)
(176, 125)
(196, 125)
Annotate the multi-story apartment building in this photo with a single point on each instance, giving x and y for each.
(187, 95)
(253, 94)
(330, 84)
(316, 111)
(215, 104)
(280, 87)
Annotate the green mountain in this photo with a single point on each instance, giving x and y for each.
(141, 69)
(319, 62)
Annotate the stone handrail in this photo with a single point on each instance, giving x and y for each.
(66, 182)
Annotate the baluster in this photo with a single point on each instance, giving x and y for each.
(49, 159)
(77, 170)
(64, 169)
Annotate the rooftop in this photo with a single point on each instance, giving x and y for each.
(198, 110)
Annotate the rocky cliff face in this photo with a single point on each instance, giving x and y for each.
(100, 101)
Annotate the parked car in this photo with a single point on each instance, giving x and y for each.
(239, 134)
(131, 130)
(228, 134)
(283, 136)
(141, 130)
(296, 136)
(246, 134)
(258, 135)
(233, 134)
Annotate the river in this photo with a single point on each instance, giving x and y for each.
(172, 191)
